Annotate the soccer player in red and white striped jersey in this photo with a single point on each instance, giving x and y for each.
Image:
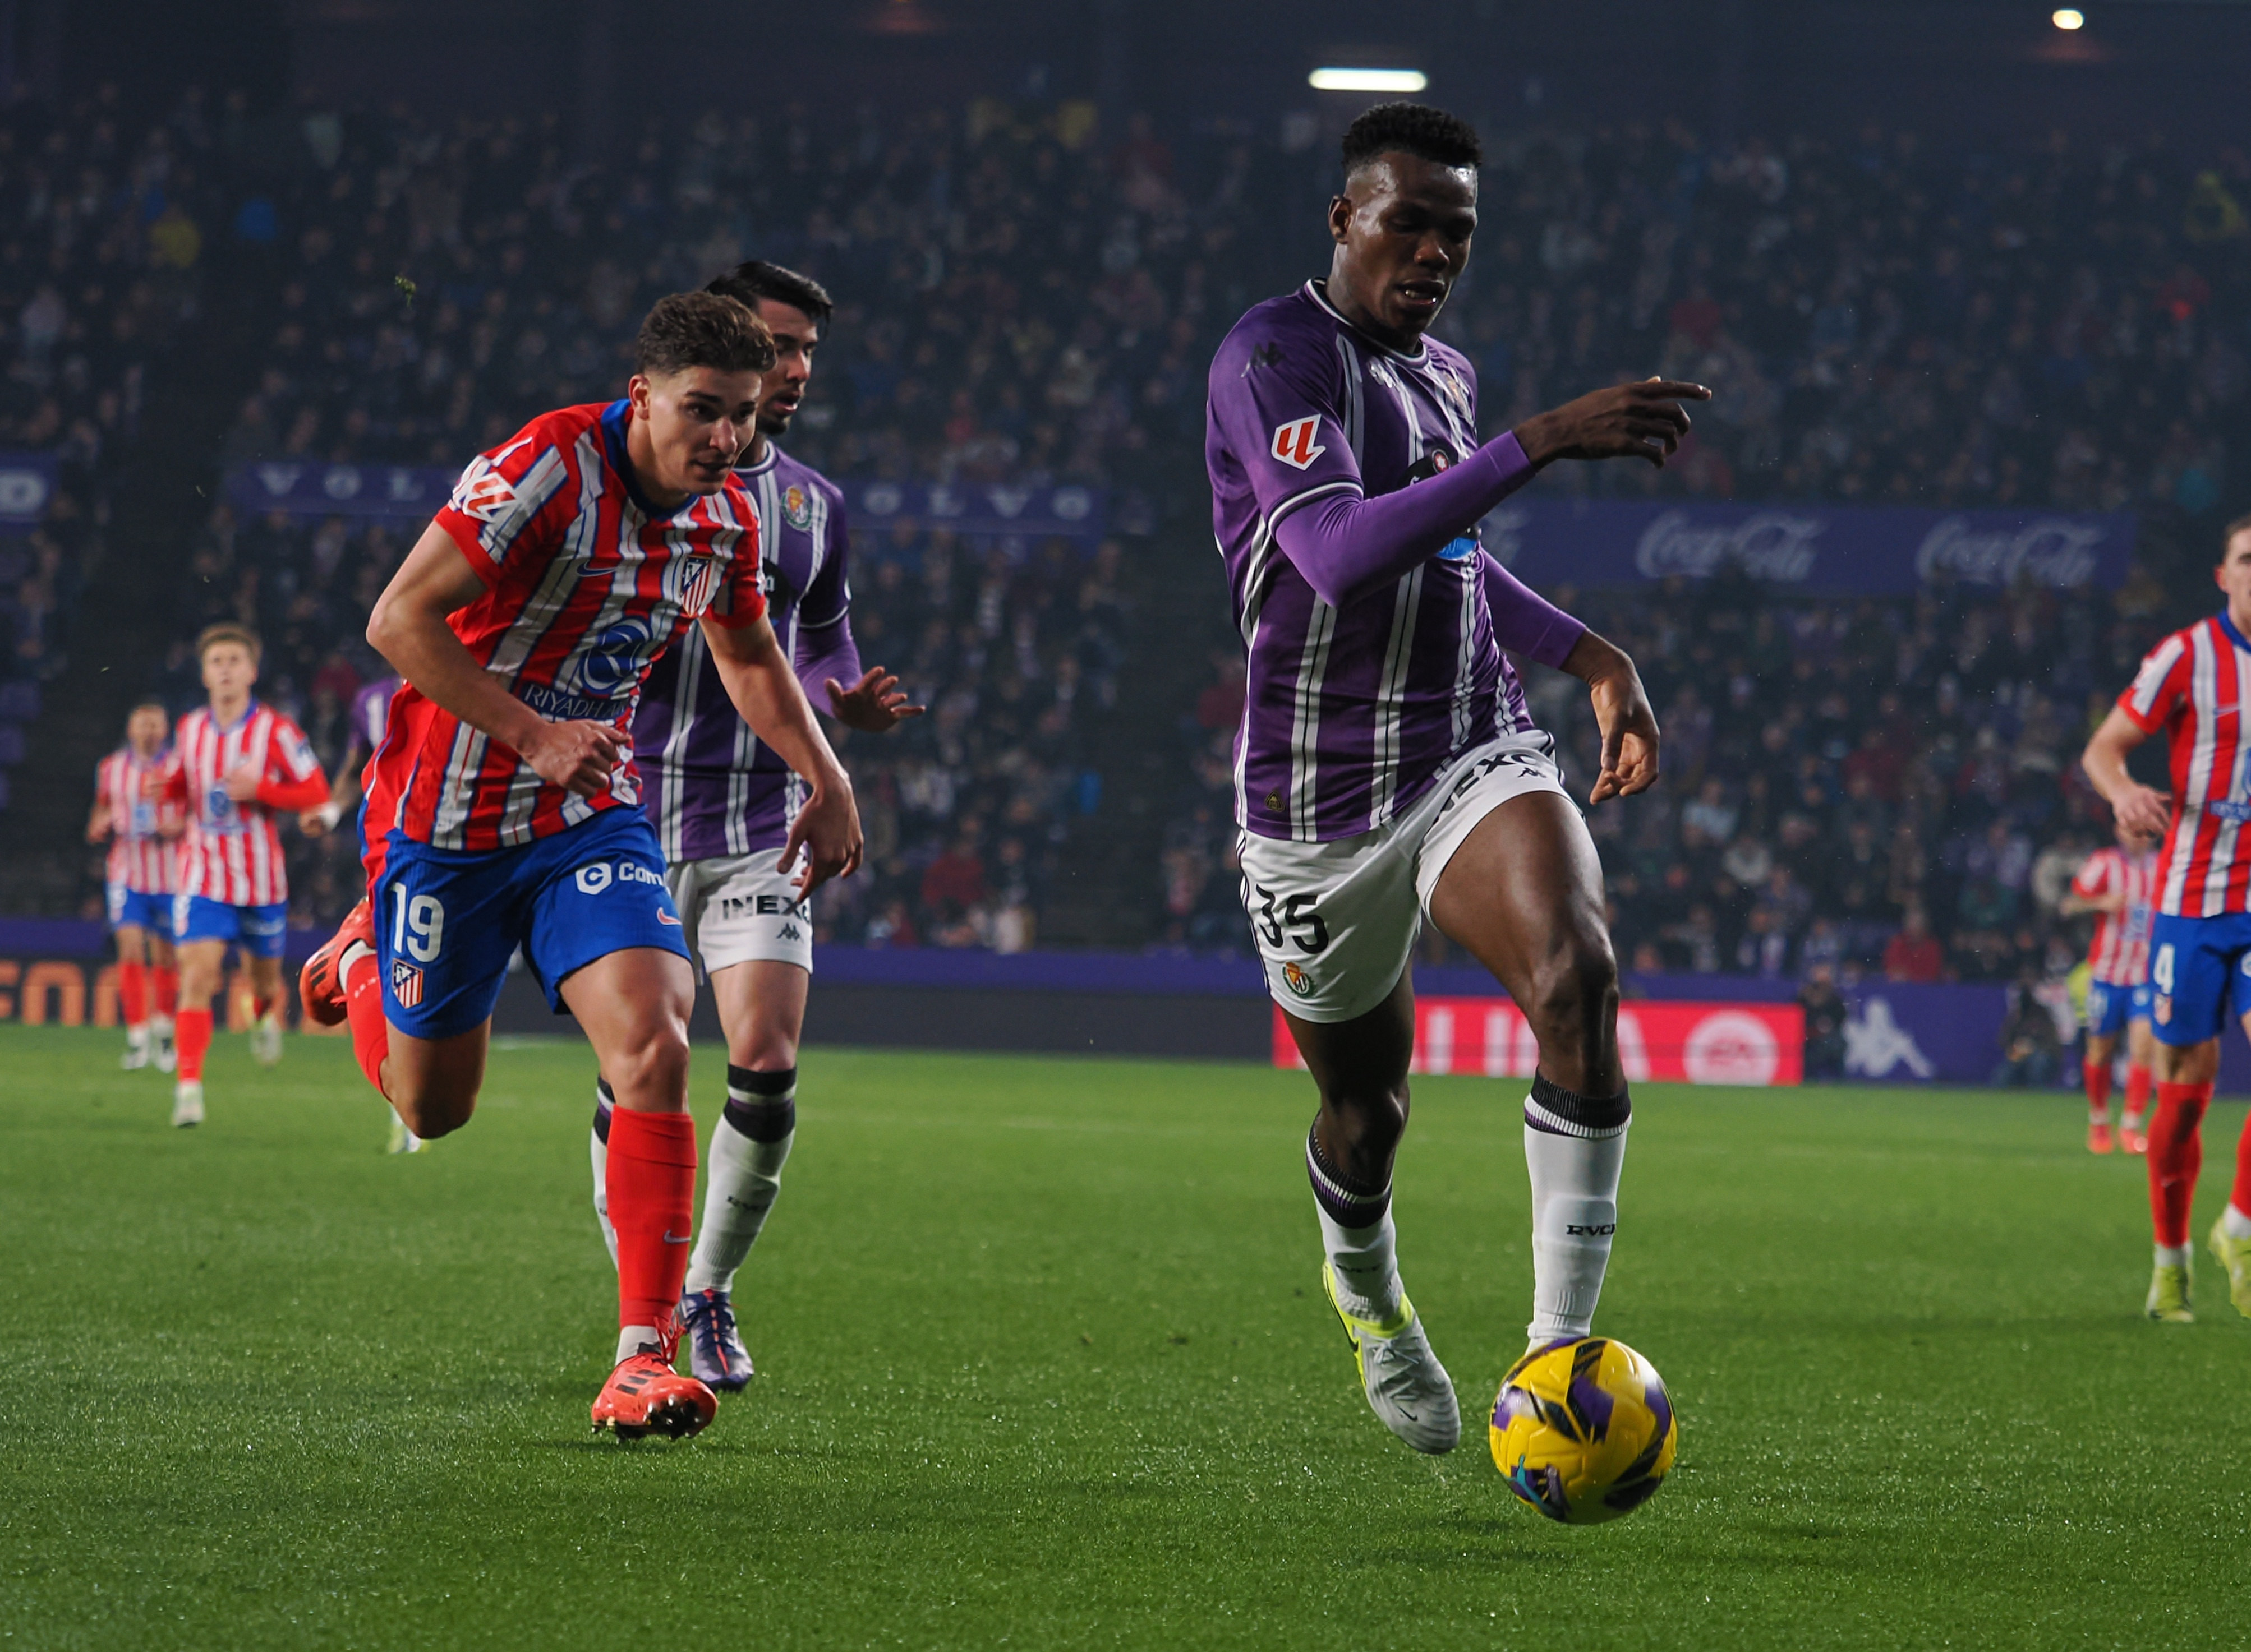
(138, 882)
(2119, 886)
(503, 806)
(2194, 686)
(236, 766)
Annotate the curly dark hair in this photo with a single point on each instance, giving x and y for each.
(1414, 128)
(702, 329)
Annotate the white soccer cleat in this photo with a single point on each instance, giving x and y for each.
(266, 1039)
(167, 1054)
(404, 1140)
(1406, 1385)
(137, 1054)
(188, 1102)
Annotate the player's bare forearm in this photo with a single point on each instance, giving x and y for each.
(2139, 808)
(1623, 712)
(2072, 905)
(97, 824)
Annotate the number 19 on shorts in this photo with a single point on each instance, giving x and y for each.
(418, 924)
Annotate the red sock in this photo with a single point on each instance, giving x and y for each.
(2137, 1093)
(2176, 1155)
(2097, 1074)
(371, 1033)
(167, 991)
(132, 991)
(193, 1039)
(652, 1190)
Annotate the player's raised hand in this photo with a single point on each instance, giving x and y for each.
(1642, 420)
(242, 782)
(827, 830)
(873, 704)
(1624, 714)
(580, 755)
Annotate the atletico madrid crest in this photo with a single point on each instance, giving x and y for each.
(405, 984)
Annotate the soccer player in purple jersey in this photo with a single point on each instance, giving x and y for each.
(1386, 767)
(722, 802)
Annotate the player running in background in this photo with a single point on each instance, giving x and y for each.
(138, 880)
(2193, 685)
(503, 806)
(1387, 767)
(2116, 885)
(235, 765)
(370, 712)
(722, 801)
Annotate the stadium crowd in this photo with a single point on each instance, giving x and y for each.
(1024, 297)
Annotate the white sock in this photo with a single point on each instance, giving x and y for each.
(1367, 1264)
(749, 1146)
(598, 1145)
(2172, 1255)
(2233, 1222)
(633, 1338)
(1573, 1148)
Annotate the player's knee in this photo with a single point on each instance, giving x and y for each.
(433, 1109)
(653, 1066)
(1575, 988)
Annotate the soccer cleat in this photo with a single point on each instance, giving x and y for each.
(321, 983)
(188, 1102)
(2233, 1254)
(404, 1140)
(266, 1039)
(2099, 1137)
(167, 1054)
(646, 1395)
(2169, 1296)
(138, 1051)
(1406, 1385)
(2132, 1138)
(716, 1353)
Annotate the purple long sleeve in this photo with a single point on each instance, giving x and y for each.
(824, 652)
(1526, 623)
(1346, 545)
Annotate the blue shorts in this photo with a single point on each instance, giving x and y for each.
(140, 909)
(446, 922)
(259, 931)
(2107, 1009)
(2198, 976)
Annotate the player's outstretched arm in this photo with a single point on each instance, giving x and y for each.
(1641, 420)
(762, 685)
(1623, 714)
(2139, 808)
(408, 628)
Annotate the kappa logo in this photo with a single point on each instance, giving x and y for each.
(789, 932)
(1298, 443)
(487, 497)
(405, 984)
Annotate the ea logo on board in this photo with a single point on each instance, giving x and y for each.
(612, 662)
(1731, 1047)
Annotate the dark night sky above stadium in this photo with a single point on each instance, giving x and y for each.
(1977, 66)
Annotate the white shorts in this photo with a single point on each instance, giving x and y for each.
(742, 909)
(1336, 923)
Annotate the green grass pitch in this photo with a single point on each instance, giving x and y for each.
(1044, 1364)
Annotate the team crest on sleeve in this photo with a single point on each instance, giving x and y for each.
(486, 494)
(405, 984)
(1298, 443)
(796, 508)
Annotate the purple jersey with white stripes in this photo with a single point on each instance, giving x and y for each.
(1351, 709)
(710, 786)
(370, 712)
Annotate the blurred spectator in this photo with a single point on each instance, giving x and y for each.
(1825, 1024)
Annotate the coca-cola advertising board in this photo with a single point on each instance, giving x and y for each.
(1818, 550)
(1750, 1044)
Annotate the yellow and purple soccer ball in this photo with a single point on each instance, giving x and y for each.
(1584, 1431)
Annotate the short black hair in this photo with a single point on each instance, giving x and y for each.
(702, 329)
(1415, 128)
(747, 283)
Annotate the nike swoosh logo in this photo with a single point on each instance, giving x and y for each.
(672, 922)
(670, 1238)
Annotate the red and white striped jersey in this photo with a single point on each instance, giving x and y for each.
(140, 856)
(2120, 955)
(2193, 686)
(586, 585)
(232, 853)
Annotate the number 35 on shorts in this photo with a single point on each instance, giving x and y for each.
(418, 925)
(1294, 920)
